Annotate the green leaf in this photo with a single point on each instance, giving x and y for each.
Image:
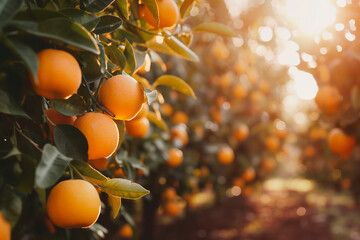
(91, 66)
(217, 28)
(153, 8)
(27, 55)
(186, 7)
(135, 163)
(94, 5)
(88, 21)
(130, 58)
(175, 83)
(10, 205)
(115, 203)
(7, 9)
(108, 23)
(71, 142)
(151, 95)
(9, 106)
(90, 173)
(180, 49)
(61, 29)
(123, 5)
(27, 178)
(38, 14)
(51, 167)
(116, 56)
(124, 188)
(121, 34)
(75, 105)
(158, 122)
(121, 127)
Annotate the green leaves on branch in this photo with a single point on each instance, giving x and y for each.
(115, 203)
(90, 173)
(175, 83)
(51, 167)
(180, 49)
(130, 58)
(60, 29)
(7, 9)
(116, 56)
(153, 8)
(157, 121)
(94, 5)
(216, 28)
(186, 7)
(88, 21)
(75, 105)
(124, 188)
(9, 106)
(107, 23)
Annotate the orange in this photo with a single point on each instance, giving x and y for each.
(239, 182)
(216, 114)
(328, 99)
(137, 128)
(341, 143)
(168, 14)
(225, 80)
(249, 174)
(101, 134)
(241, 132)
(49, 225)
(73, 204)
(123, 96)
(166, 109)
(345, 183)
(268, 164)
(282, 133)
(100, 163)
(58, 76)
(225, 155)
(143, 112)
(309, 151)
(318, 133)
(180, 117)
(220, 51)
(172, 208)
(169, 194)
(239, 91)
(179, 133)
(119, 172)
(126, 231)
(272, 143)
(175, 157)
(5, 228)
(57, 118)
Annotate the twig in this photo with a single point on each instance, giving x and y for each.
(18, 128)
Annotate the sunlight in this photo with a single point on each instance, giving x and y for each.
(311, 16)
(306, 87)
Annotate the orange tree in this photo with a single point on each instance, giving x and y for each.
(69, 85)
(329, 147)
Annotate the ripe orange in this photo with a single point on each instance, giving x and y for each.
(58, 76)
(239, 91)
(101, 134)
(126, 231)
(123, 96)
(73, 204)
(341, 143)
(169, 194)
(180, 117)
(272, 143)
(119, 172)
(166, 109)
(328, 99)
(249, 174)
(225, 155)
(100, 163)
(241, 132)
(57, 118)
(268, 164)
(239, 182)
(179, 133)
(175, 157)
(220, 50)
(318, 133)
(5, 228)
(345, 183)
(216, 114)
(172, 208)
(137, 128)
(143, 112)
(309, 151)
(168, 14)
(225, 80)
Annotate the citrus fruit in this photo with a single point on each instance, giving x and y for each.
(341, 143)
(328, 99)
(225, 155)
(168, 14)
(57, 118)
(5, 228)
(175, 157)
(137, 128)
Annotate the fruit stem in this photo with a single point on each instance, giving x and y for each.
(18, 128)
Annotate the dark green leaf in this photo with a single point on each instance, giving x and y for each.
(153, 8)
(123, 5)
(71, 142)
(102, 58)
(180, 49)
(90, 173)
(38, 14)
(175, 83)
(88, 21)
(10, 205)
(116, 56)
(217, 28)
(52, 165)
(186, 7)
(108, 23)
(124, 188)
(9, 106)
(27, 178)
(60, 29)
(121, 34)
(130, 58)
(94, 5)
(75, 105)
(7, 9)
